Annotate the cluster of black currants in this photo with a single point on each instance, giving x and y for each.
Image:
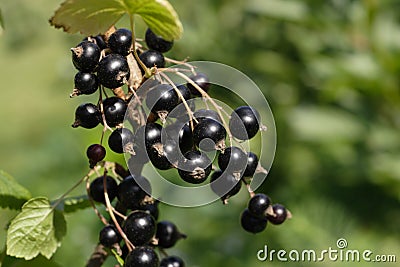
(175, 135)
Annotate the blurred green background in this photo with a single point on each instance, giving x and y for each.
(331, 73)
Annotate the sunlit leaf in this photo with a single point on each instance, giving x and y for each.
(12, 194)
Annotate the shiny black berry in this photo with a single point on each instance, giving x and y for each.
(109, 236)
(202, 81)
(142, 257)
(120, 140)
(151, 208)
(280, 214)
(168, 234)
(95, 153)
(87, 116)
(244, 122)
(113, 71)
(172, 261)
(164, 155)
(184, 92)
(114, 110)
(98, 39)
(120, 41)
(251, 223)
(162, 98)
(182, 133)
(232, 159)
(209, 135)
(85, 83)
(207, 114)
(85, 56)
(96, 189)
(194, 167)
(139, 227)
(148, 135)
(252, 164)
(157, 43)
(132, 191)
(224, 184)
(151, 58)
(258, 205)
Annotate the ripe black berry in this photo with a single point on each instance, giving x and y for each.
(85, 83)
(142, 257)
(139, 227)
(201, 80)
(120, 140)
(167, 234)
(95, 153)
(207, 113)
(211, 132)
(194, 167)
(184, 92)
(98, 39)
(96, 189)
(224, 184)
(131, 194)
(148, 135)
(114, 110)
(85, 56)
(109, 236)
(151, 58)
(258, 205)
(232, 159)
(252, 164)
(280, 214)
(87, 116)
(182, 133)
(113, 71)
(251, 223)
(165, 155)
(162, 98)
(244, 122)
(120, 41)
(172, 261)
(157, 43)
(151, 208)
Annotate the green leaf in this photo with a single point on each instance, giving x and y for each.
(1, 23)
(92, 17)
(12, 194)
(37, 229)
(73, 204)
(118, 257)
(40, 261)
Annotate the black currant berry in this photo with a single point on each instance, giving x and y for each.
(157, 43)
(162, 98)
(85, 83)
(210, 133)
(87, 116)
(120, 140)
(142, 257)
(96, 189)
(164, 156)
(182, 133)
(224, 185)
(258, 205)
(251, 223)
(120, 41)
(244, 122)
(139, 227)
(95, 153)
(151, 58)
(109, 236)
(194, 167)
(85, 56)
(279, 216)
(151, 208)
(148, 135)
(252, 164)
(184, 92)
(113, 71)
(168, 234)
(207, 114)
(202, 81)
(98, 39)
(232, 159)
(172, 261)
(131, 193)
(114, 110)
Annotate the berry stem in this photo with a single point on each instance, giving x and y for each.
(101, 217)
(147, 71)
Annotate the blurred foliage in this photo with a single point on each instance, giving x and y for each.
(330, 71)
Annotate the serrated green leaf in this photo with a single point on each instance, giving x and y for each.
(92, 17)
(37, 229)
(76, 203)
(12, 194)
